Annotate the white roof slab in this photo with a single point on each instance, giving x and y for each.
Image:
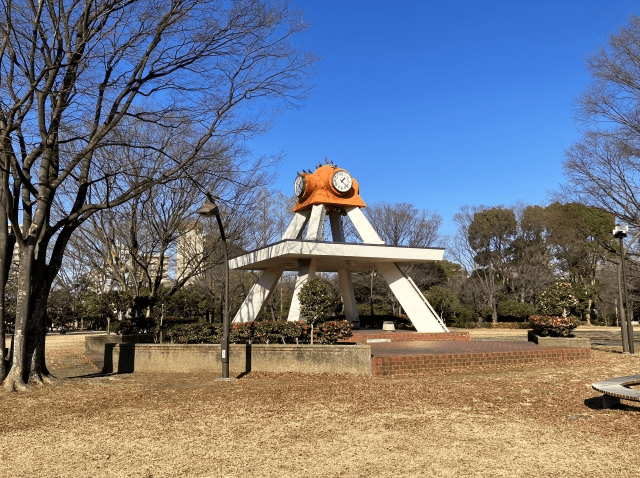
(333, 256)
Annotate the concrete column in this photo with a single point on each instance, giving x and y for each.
(413, 304)
(346, 284)
(337, 228)
(348, 297)
(258, 295)
(306, 271)
(316, 223)
(294, 231)
(367, 233)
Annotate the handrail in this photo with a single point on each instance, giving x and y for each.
(424, 299)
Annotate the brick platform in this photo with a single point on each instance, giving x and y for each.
(413, 357)
(361, 336)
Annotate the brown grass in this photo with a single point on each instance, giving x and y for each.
(536, 420)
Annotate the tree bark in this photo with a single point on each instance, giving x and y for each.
(15, 380)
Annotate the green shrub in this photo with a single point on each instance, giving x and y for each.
(263, 332)
(194, 333)
(550, 326)
(269, 332)
(558, 300)
(240, 333)
(331, 332)
(295, 332)
(316, 302)
(508, 325)
(513, 309)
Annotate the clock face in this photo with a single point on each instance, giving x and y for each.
(341, 181)
(299, 185)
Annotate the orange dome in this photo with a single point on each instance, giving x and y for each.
(318, 189)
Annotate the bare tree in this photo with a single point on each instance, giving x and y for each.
(78, 78)
(602, 168)
(404, 225)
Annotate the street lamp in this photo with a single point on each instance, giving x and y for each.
(373, 274)
(210, 209)
(620, 232)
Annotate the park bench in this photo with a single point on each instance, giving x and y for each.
(614, 389)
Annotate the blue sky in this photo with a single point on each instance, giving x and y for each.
(443, 104)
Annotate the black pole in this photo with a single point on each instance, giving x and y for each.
(371, 294)
(623, 318)
(626, 300)
(225, 312)
(211, 209)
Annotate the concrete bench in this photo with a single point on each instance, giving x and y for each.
(614, 389)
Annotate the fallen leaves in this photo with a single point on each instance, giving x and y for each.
(500, 421)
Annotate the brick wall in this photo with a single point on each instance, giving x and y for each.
(399, 365)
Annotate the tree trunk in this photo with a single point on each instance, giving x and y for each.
(587, 313)
(37, 370)
(5, 263)
(15, 380)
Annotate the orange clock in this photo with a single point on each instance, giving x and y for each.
(327, 185)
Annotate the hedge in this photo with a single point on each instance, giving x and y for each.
(258, 332)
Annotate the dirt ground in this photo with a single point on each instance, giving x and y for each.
(535, 420)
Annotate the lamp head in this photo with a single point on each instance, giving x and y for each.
(208, 209)
(620, 231)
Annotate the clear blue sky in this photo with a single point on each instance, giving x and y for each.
(442, 104)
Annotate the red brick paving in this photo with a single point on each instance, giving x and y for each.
(405, 335)
(387, 349)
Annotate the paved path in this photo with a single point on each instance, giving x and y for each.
(446, 347)
(610, 338)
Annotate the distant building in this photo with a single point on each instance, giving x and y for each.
(190, 250)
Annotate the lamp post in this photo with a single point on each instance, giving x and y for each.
(209, 209)
(620, 232)
(373, 274)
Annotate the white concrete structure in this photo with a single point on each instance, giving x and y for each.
(309, 255)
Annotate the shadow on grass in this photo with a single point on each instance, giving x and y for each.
(91, 375)
(595, 403)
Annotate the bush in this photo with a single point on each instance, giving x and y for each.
(332, 331)
(551, 326)
(240, 333)
(265, 332)
(514, 309)
(316, 302)
(194, 333)
(558, 300)
(508, 325)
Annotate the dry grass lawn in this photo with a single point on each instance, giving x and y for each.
(535, 420)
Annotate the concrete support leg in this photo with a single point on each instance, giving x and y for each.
(294, 231)
(337, 228)
(306, 272)
(413, 304)
(609, 401)
(348, 297)
(258, 295)
(316, 223)
(366, 231)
